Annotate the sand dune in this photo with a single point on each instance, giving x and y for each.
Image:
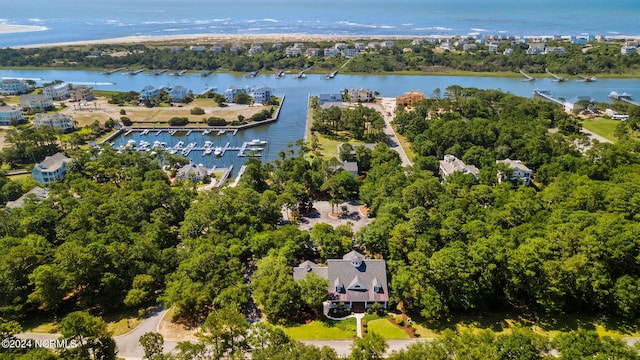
(9, 29)
(204, 39)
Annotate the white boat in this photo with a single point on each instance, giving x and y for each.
(179, 145)
(256, 142)
(207, 151)
(217, 151)
(207, 144)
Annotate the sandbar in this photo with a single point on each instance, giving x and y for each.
(202, 39)
(10, 29)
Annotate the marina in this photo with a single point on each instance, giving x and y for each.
(251, 148)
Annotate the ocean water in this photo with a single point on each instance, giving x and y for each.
(70, 20)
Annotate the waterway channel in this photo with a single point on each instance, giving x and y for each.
(291, 123)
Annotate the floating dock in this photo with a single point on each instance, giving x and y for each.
(527, 76)
(624, 97)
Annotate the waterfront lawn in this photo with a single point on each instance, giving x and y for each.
(603, 127)
(386, 329)
(324, 329)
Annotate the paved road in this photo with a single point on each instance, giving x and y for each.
(128, 345)
(389, 107)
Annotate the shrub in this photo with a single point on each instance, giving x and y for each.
(216, 121)
(197, 111)
(126, 121)
(399, 320)
(123, 112)
(178, 121)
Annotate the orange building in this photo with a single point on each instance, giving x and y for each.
(409, 98)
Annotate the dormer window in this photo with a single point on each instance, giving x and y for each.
(340, 288)
(378, 289)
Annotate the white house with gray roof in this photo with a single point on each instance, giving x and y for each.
(452, 164)
(57, 121)
(10, 114)
(353, 280)
(50, 169)
(519, 171)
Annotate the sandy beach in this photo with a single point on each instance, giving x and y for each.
(10, 29)
(193, 39)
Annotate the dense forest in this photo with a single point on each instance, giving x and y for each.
(115, 234)
(597, 58)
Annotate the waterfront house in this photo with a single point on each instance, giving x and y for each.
(574, 104)
(579, 40)
(507, 51)
(255, 48)
(232, 91)
(387, 44)
(33, 195)
(56, 121)
(261, 95)
(177, 49)
(197, 48)
(354, 281)
(35, 102)
(629, 47)
(445, 45)
(57, 91)
(217, 48)
(193, 172)
(373, 45)
(452, 164)
(519, 171)
(469, 46)
(340, 46)
(417, 42)
(409, 98)
(178, 93)
(555, 50)
(292, 51)
(351, 52)
(536, 48)
(50, 169)
(493, 46)
(237, 47)
(13, 87)
(325, 98)
(360, 95)
(359, 46)
(330, 52)
(10, 115)
(82, 93)
(149, 92)
(311, 52)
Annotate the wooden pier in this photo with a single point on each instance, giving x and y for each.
(158, 72)
(624, 97)
(527, 76)
(331, 75)
(253, 73)
(556, 77)
(135, 72)
(586, 78)
(206, 73)
(545, 94)
(109, 72)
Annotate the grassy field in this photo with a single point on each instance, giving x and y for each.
(323, 330)
(603, 127)
(119, 324)
(386, 329)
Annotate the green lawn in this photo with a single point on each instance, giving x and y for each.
(323, 330)
(386, 329)
(603, 127)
